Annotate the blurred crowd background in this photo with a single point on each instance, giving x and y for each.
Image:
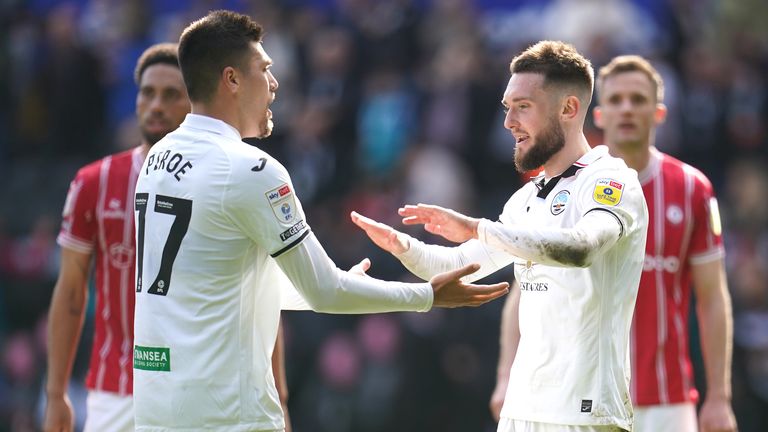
(381, 103)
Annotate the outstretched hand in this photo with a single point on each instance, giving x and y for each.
(383, 235)
(437, 220)
(451, 292)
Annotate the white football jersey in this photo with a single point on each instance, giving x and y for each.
(214, 216)
(572, 363)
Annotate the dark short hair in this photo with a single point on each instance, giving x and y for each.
(210, 44)
(560, 64)
(162, 53)
(632, 63)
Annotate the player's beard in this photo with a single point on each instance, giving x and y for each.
(152, 138)
(267, 128)
(550, 141)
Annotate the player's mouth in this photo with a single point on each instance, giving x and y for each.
(157, 124)
(627, 127)
(521, 138)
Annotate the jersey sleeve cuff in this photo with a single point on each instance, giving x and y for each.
(413, 253)
(430, 295)
(69, 241)
(708, 256)
(482, 230)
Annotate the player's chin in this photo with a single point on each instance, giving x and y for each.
(266, 129)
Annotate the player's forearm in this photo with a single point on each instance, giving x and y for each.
(328, 289)
(716, 329)
(570, 247)
(65, 322)
(426, 261)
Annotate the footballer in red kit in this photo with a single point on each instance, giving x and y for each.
(684, 256)
(98, 220)
(97, 233)
(683, 230)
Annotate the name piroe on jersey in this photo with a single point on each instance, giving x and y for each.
(199, 312)
(174, 165)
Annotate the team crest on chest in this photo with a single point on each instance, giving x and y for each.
(283, 204)
(674, 214)
(559, 202)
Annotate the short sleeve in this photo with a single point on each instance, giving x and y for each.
(706, 236)
(78, 225)
(264, 204)
(615, 191)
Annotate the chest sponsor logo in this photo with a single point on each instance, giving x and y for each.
(674, 214)
(559, 202)
(670, 264)
(608, 192)
(292, 231)
(527, 271)
(121, 255)
(533, 286)
(152, 358)
(114, 210)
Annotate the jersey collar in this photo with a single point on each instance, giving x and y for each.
(210, 124)
(545, 187)
(652, 169)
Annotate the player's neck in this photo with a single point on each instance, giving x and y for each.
(220, 111)
(636, 158)
(144, 149)
(570, 153)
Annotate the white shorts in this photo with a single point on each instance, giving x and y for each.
(108, 412)
(507, 424)
(666, 418)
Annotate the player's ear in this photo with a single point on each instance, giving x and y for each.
(230, 78)
(660, 115)
(570, 107)
(597, 116)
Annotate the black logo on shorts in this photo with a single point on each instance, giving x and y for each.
(586, 405)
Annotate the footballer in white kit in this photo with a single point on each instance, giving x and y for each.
(214, 216)
(219, 234)
(572, 363)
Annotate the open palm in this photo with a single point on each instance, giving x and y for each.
(437, 220)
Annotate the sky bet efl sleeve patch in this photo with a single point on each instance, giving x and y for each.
(608, 192)
(281, 199)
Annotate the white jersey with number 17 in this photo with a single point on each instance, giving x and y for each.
(219, 231)
(193, 322)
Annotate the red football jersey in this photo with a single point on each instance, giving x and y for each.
(98, 219)
(683, 229)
